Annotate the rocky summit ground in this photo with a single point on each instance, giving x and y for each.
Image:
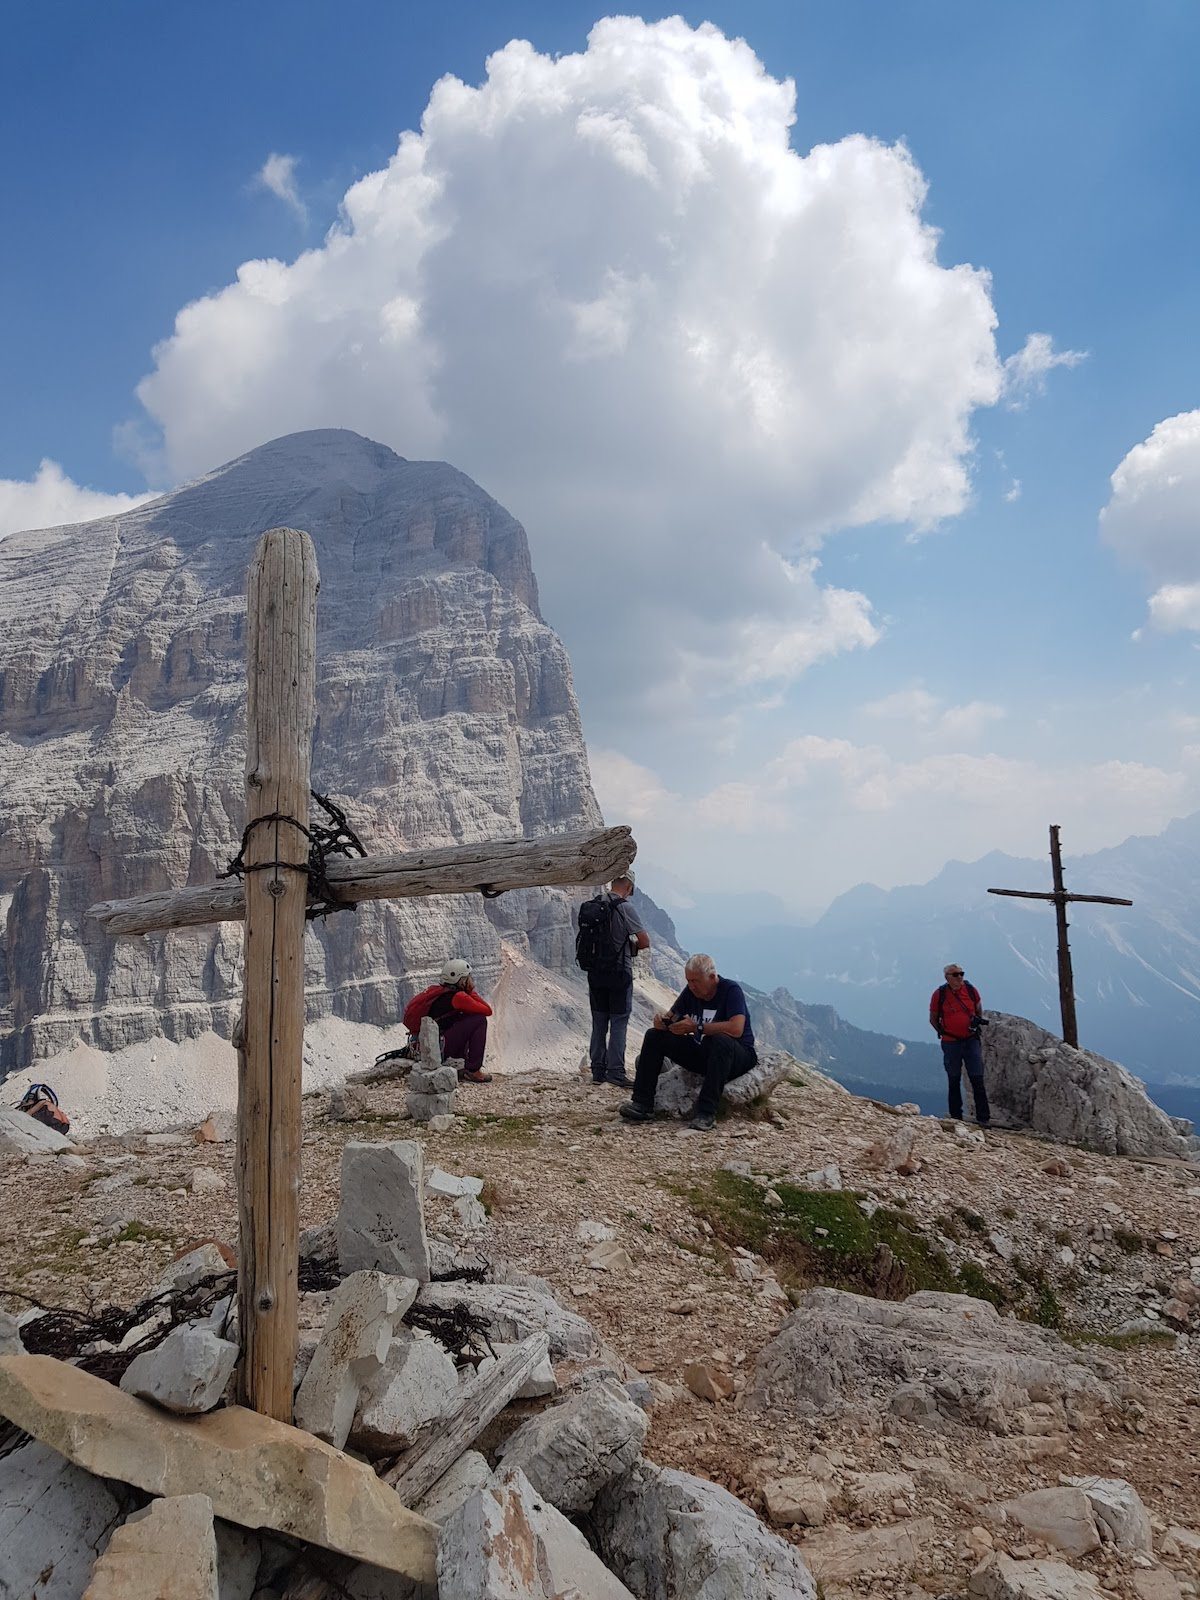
(687, 1251)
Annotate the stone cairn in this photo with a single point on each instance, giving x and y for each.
(432, 1083)
(140, 1478)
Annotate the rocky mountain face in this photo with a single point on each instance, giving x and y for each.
(446, 714)
(876, 954)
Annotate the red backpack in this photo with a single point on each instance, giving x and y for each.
(41, 1103)
(418, 1006)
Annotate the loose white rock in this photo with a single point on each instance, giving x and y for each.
(186, 1373)
(449, 1185)
(361, 1324)
(381, 1218)
(513, 1312)
(678, 1537)
(169, 1548)
(418, 1383)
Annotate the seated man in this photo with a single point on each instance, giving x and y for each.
(707, 1031)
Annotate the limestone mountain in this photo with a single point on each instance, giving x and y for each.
(446, 714)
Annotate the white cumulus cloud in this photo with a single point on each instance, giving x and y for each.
(934, 716)
(1025, 372)
(683, 353)
(50, 498)
(1153, 518)
(827, 812)
(278, 175)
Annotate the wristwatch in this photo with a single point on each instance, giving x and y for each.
(699, 1027)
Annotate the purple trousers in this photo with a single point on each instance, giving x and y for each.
(465, 1040)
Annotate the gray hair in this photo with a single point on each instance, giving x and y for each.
(701, 965)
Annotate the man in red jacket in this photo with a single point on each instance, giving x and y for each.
(461, 1016)
(956, 1016)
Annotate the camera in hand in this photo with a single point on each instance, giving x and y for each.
(978, 1023)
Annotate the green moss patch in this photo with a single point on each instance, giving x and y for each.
(817, 1237)
(502, 1130)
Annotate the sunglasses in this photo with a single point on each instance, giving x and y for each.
(956, 972)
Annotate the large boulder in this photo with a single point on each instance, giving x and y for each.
(938, 1359)
(677, 1088)
(1038, 1082)
(672, 1536)
(506, 1543)
(1002, 1578)
(1060, 1516)
(1117, 1507)
(55, 1519)
(841, 1555)
(572, 1449)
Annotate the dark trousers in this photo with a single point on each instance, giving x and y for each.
(465, 1040)
(611, 1003)
(968, 1053)
(715, 1060)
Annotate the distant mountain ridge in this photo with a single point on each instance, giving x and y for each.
(877, 1064)
(876, 954)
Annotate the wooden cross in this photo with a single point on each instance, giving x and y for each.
(281, 665)
(1066, 978)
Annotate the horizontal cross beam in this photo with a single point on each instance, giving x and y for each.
(1062, 895)
(593, 856)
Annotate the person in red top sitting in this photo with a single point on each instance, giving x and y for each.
(461, 1016)
(956, 1016)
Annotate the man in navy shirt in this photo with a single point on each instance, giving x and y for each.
(707, 1031)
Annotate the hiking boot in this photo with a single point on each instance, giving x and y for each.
(702, 1121)
(623, 1082)
(632, 1112)
(474, 1077)
(599, 1078)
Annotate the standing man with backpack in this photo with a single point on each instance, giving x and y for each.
(610, 935)
(956, 1016)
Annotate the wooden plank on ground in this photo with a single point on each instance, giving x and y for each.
(420, 1467)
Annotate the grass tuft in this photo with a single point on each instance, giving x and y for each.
(825, 1237)
(512, 1130)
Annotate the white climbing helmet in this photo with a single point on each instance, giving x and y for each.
(456, 970)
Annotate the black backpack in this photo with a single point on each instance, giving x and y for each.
(596, 942)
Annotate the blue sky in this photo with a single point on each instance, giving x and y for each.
(1059, 149)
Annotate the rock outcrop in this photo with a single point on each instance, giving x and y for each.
(1036, 1081)
(938, 1359)
(445, 714)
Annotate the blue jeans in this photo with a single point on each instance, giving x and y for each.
(611, 1002)
(968, 1053)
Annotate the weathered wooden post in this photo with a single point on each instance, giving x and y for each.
(1066, 974)
(281, 656)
